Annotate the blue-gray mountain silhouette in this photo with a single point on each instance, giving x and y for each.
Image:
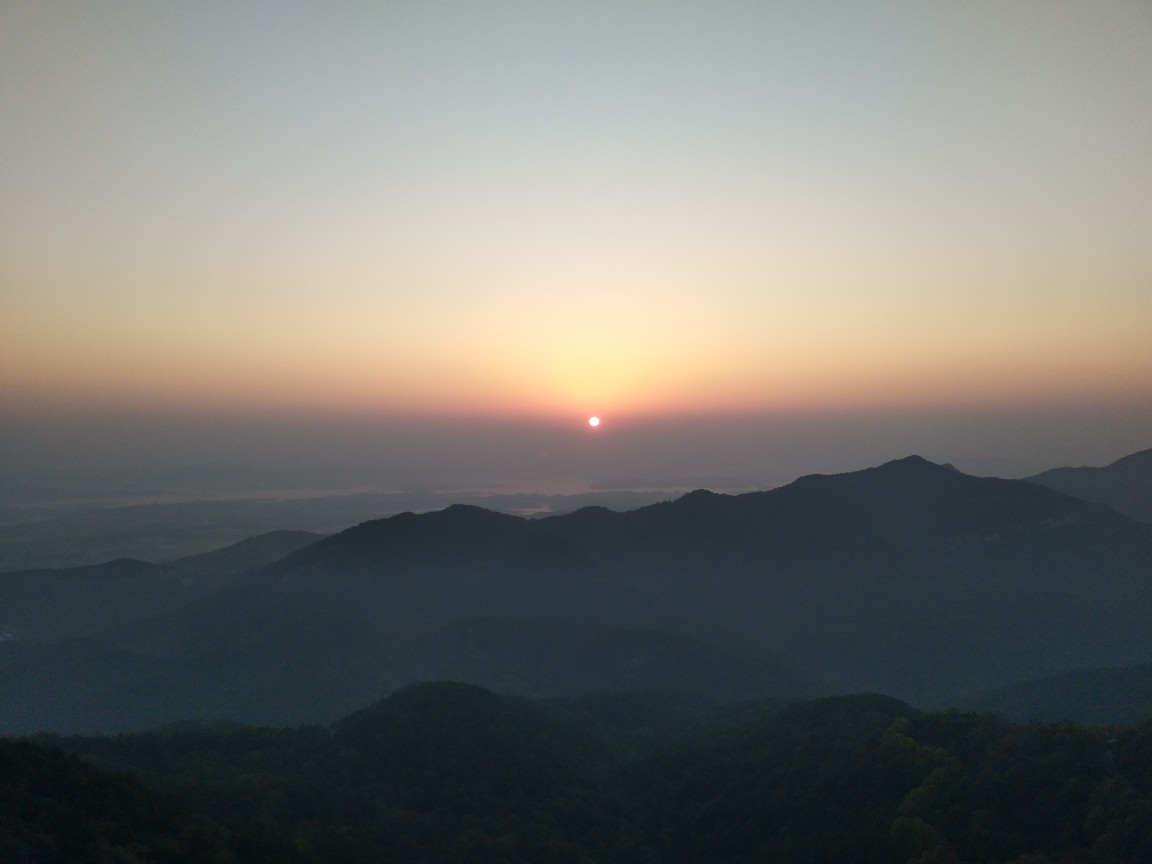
(1125, 485)
(911, 579)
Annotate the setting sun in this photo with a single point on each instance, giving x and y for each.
(593, 422)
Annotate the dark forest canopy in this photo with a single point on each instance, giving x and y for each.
(454, 773)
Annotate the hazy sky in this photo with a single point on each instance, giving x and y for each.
(437, 236)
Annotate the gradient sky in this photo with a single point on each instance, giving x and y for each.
(347, 221)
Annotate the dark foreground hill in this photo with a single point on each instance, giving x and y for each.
(1125, 485)
(911, 579)
(55, 809)
(453, 773)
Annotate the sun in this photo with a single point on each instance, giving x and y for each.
(593, 422)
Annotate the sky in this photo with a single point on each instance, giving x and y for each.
(757, 239)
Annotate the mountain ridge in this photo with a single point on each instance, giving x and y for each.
(1124, 485)
(909, 578)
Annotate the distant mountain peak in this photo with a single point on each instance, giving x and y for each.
(1137, 463)
(592, 513)
(701, 495)
(913, 463)
(453, 513)
(464, 508)
(480, 518)
(699, 502)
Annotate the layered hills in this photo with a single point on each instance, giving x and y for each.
(1124, 485)
(910, 578)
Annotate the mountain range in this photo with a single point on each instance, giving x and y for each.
(911, 579)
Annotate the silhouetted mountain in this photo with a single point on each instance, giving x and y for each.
(1121, 695)
(1125, 485)
(39, 537)
(79, 602)
(460, 593)
(50, 605)
(910, 578)
(543, 658)
(253, 552)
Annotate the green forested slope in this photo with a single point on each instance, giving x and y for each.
(449, 772)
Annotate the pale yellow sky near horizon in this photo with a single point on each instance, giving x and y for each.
(543, 210)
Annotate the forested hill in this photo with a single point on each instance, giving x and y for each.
(453, 773)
